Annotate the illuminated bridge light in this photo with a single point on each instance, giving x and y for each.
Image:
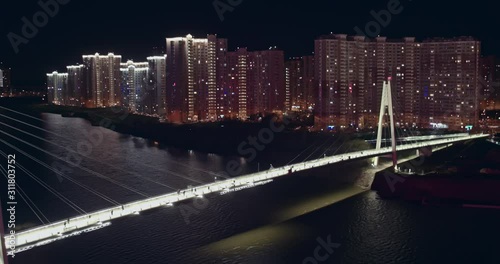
(42, 235)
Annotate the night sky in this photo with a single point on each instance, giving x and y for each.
(133, 28)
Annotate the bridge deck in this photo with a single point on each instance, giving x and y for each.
(48, 233)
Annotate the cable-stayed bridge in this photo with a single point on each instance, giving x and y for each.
(45, 234)
(87, 222)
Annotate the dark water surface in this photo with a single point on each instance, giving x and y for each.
(281, 222)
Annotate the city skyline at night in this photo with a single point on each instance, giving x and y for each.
(238, 131)
(204, 81)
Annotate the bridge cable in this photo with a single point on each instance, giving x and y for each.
(399, 106)
(99, 175)
(104, 197)
(302, 152)
(50, 189)
(333, 144)
(26, 199)
(38, 119)
(96, 160)
(130, 160)
(318, 148)
(98, 194)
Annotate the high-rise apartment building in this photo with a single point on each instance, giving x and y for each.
(308, 82)
(102, 74)
(429, 80)
(294, 91)
(56, 84)
(221, 70)
(350, 72)
(138, 86)
(235, 94)
(158, 84)
(490, 82)
(216, 49)
(451, 81)
(300, 83)
(254, 83)
(180, 100)
(495, 89)
(266, 87)
(135, 90)
(192, 77)
(76, 91)
(202, 87)
(340, 73)
(5, 81)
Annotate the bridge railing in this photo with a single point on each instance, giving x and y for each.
(47, 233)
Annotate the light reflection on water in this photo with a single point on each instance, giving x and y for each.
(275, 223)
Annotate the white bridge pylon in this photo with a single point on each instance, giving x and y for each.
(386, 102)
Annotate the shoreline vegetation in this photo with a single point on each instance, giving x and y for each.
(223, 137)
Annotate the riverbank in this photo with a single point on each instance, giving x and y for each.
(465, 173)
(229, 137)
(222, 138)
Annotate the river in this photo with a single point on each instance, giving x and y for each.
(284, 221)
